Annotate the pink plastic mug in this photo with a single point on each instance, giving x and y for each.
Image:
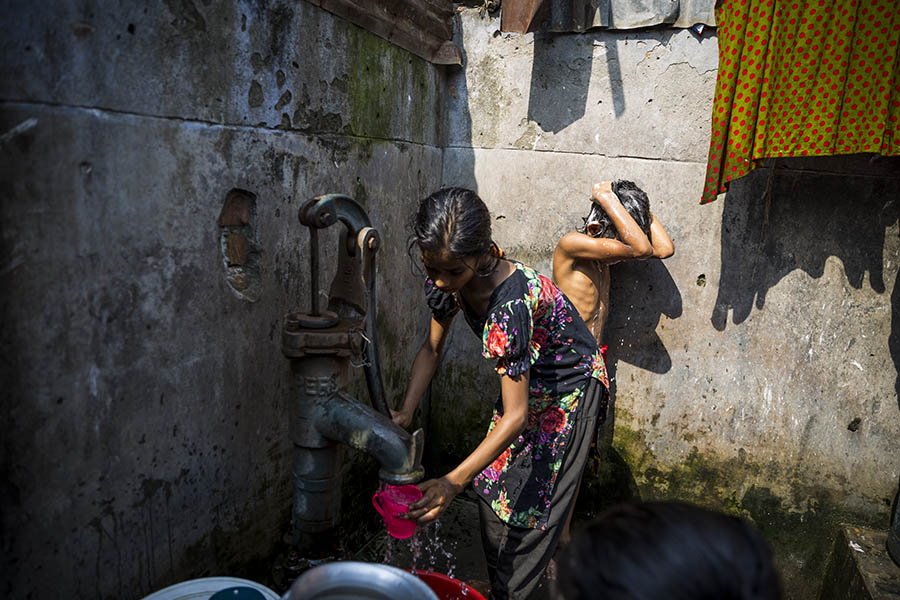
(393, 501)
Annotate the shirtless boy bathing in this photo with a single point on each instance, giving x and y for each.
(619, 227)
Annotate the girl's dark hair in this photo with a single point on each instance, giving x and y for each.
(635, 201)
(454, 219)
(671, 550)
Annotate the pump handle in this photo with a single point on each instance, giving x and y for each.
(324, 211)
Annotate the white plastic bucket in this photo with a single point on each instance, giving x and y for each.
(203, 588)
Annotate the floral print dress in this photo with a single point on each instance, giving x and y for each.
(530, 325)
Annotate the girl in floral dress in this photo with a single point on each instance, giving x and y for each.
(552, 388)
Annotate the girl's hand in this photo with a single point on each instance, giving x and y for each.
(437, 495)
(401, 418)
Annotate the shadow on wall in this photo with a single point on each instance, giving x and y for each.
(459, 155)
(640, 292)
(843, 205)
(561, 75)
(558, 96)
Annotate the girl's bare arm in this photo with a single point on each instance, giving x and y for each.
(438, 493)
(423, 368)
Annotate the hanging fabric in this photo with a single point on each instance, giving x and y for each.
(803, 78)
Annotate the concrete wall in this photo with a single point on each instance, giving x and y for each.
(740, 362)
(144, 391)
(145, 397)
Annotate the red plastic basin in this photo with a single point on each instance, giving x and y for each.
(447, 588)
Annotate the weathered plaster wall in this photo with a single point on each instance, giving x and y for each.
(740, 362)
(145, 402)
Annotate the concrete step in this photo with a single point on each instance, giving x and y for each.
(860, 567)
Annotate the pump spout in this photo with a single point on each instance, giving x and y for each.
(400, 454)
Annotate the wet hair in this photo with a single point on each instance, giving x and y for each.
(457, 220)
(671, 550)
(635, 201)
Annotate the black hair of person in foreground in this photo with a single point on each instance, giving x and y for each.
(671, 550)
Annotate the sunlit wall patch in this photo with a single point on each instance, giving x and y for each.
(238, 244)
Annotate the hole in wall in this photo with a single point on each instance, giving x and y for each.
(238, 244)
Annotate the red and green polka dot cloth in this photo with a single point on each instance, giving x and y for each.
(803, 78)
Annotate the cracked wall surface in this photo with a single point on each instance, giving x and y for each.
(756, 371)
(145, 393)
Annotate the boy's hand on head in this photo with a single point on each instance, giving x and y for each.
(598, 190)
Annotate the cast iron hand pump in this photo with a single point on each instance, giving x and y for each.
(321, 344)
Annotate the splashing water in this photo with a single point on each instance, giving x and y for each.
(388, 548)
(415, 544)
(426, 550)
(439, 552)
